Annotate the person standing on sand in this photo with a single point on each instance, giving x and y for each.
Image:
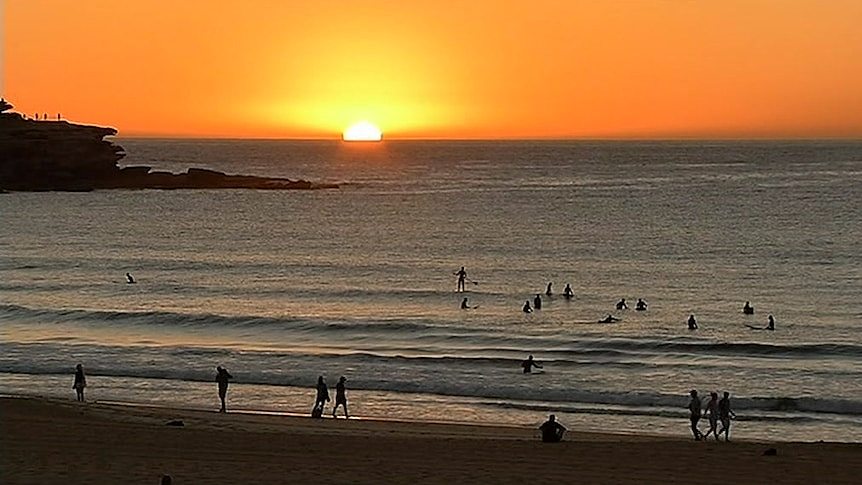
(694, 406)
(529, 364)
(223, 377)
(462, 277)
(80, 382)
(725, 413)
(341, 397)
(712, 415)
(321, 399)
(552, 431)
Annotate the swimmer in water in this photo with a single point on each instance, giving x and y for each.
(527, 308)
(641, 305)
(609, 319)
(548, 290)
(465, 306)
(529, 364)
(130, 279)
(748, 309)
(692, 323)
(567, 292)
(537, 302)
(771, 324)
(621, 305)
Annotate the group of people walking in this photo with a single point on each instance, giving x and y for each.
(717, 410)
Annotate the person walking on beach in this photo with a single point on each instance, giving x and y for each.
(80, 382)
(537, 302)
(527, 308)
(529, 364)
(223, 377)
(340, 397)
(552, 431)
(462, 278)
(694, 406)
(692, 323)
(567, 292)
(321, 399)
(712, 416)
(724, 414)
(548, 291)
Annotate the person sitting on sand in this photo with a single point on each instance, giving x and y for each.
(537, 302)
(80, 382)
(694, 406)
(724, 414)
(529, 364)
(552, 431)
(223, 377)
(321, 399)
(641, 305)
(692, 323)
(548, 291)
(712, 416)
(567, 292)
(341, 397)
(771, 324)
(130, 279)
(527, 308)
(748, 309)
(621, 305)
(609, 319)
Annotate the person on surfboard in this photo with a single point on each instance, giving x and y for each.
(529, 364)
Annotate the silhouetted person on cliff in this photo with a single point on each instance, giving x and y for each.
(80, 382)
(462, 277)
(130, 279)
(537, 302)
(529, 364)
(223, 378)
(340, 397)
(692, 323)
(567, 292)
(552, 431)
(321, 399)
(527, 308)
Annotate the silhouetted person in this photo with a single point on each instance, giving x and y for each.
(223, 377)
(80, 382)
(529, 364)
(464, 305)
(771, 324)
(537, 302)
(527, 308)
(712, 416)
(548, 291)
(748, 309)
(621, 305)
(567, 292)
(166, 480)
(130, 279)
(462, 277)
(340, 397)
(609, 319)
(58, 116)
(321, 399)
(640, 305)
(725, 413)
(45, 116)
(552, 431)
(692, 323)
(694, 407)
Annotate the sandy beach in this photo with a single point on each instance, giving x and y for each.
(49, 441)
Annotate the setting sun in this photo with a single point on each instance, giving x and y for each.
(362, 131)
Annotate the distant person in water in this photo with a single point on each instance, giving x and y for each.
(748, 309)
(527, 308)
(340, 397)
(712, 415)
(130, 279)
(692, 323)
(694, 407)
(462, 278)
(466, 306)
(223, 378)
(548, 291)
(529, 364)
(552, 431)
(641, 305)
(771, 324)
(724, 414)
(621, 305)
(80, 382)
(567, 292)
(537, 302)
(609, 319)
(321, 399)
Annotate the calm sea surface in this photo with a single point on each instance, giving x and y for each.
(281, 287)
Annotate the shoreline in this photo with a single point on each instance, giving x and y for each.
(55, 441)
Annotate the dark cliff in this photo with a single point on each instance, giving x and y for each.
(58, 155)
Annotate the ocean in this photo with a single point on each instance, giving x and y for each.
(280, 287)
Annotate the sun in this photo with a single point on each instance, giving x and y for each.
(362, 131)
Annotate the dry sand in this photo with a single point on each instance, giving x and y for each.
(49, 441)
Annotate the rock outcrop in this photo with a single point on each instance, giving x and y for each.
(58, 155)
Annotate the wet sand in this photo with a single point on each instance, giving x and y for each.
(49, 441)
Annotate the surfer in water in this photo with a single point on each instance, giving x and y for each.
(548, 291)
(748, 309)
(609, 319)
(466, 306)
(537, 302)
(529, 364)
(692, 323)
(462, 278)
(130, 279)
(567, 292)
(527, 308)
(771, 324)
(641, 305)
(621, 305)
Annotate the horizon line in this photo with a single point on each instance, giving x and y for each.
(498, 139)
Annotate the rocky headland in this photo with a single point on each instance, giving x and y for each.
(42, 155)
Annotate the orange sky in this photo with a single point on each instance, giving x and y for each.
(441, 68)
